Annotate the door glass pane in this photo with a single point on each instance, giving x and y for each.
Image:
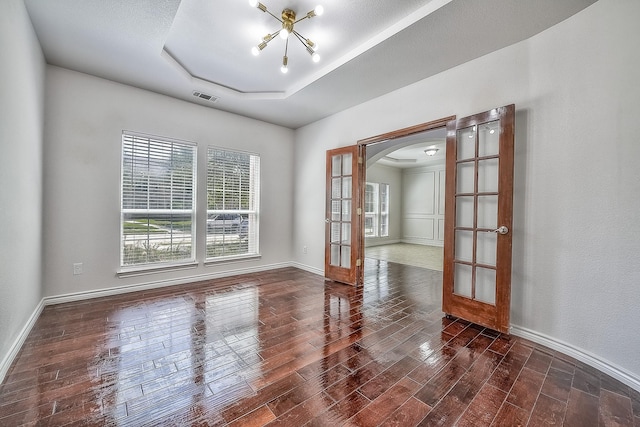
(335, 255)
(346, 210)
(335, 232)
(346, 257)
(346, 164)
(486, 248)
(346, 187)
(466, 177)
(464, 246)
(489, 139)
(335, 210)
(346, 233)
(462, 280)
(486, 285)
(487, 212)
(336, 165)
(336, 188)
(464, 211)
(466, 143)
(488, 176)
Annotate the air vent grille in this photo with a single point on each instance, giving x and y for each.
(205, 96)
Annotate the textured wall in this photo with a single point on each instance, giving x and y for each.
(577, 184)
(21, 121)
(85, 119)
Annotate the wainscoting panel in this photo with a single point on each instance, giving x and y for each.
(423, 205)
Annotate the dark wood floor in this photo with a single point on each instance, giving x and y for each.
(283, 348)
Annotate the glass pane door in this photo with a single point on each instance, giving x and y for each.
(476, 199)
(478, 218)
(342, 231)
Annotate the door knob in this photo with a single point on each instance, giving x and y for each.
(501, 230)
(327, 220)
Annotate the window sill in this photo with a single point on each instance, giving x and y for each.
(142, 271)
(215, 261)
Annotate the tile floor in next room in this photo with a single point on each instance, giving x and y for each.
(284, 347)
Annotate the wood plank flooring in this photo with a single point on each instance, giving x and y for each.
(285, 348)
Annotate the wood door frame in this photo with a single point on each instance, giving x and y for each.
(399, 133)
(445, 122)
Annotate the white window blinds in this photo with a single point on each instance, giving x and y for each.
(158, 201)
(233, 195)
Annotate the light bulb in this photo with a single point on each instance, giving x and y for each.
(255, 51)
(284, 33)
(315, 57)
(285, 61)
(319, 10)
(284, 69)
(253, 3)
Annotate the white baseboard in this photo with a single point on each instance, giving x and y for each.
(308, 268)
(155, 284)
(8, 359)
(590, 359)
(422, 241)
(584, 356)
(373, 241)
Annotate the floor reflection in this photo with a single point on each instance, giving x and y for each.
(285, 347)
(268, 343)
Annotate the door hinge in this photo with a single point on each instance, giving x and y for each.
(359, 211)
(358, 262)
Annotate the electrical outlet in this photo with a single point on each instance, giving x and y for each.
(77, 268)
(304, 249)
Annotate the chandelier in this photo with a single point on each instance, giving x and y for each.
(288, 21)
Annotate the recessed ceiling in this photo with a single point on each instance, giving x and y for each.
(368, 47)
(409, 151)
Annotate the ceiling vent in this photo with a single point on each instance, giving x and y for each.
(205, 96)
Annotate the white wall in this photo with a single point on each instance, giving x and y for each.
(22, 71)
(392, 176)
(85, 117)
(576, 232)
(423, 205)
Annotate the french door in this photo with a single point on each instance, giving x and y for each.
(478, 218)
(344, 245)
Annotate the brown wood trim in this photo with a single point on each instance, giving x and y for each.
(505, 216)
(449, 218)
(408, 131)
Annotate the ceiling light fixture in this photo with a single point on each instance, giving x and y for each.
(431, 151)
(288, 21)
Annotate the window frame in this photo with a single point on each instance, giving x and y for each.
(379, 213)
(141, 267)
(250, 215)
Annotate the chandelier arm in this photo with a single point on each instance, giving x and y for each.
(278, 19)
(300, 38)
(274, 35)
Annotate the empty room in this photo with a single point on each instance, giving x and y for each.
(321, 213)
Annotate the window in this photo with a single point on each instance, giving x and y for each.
(158, 201)
(233, 194)
(376, 210)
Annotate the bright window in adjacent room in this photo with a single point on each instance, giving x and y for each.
(376, 210)
(158, 201)
(233, 196)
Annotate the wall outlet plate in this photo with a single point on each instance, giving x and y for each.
(77, 268)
